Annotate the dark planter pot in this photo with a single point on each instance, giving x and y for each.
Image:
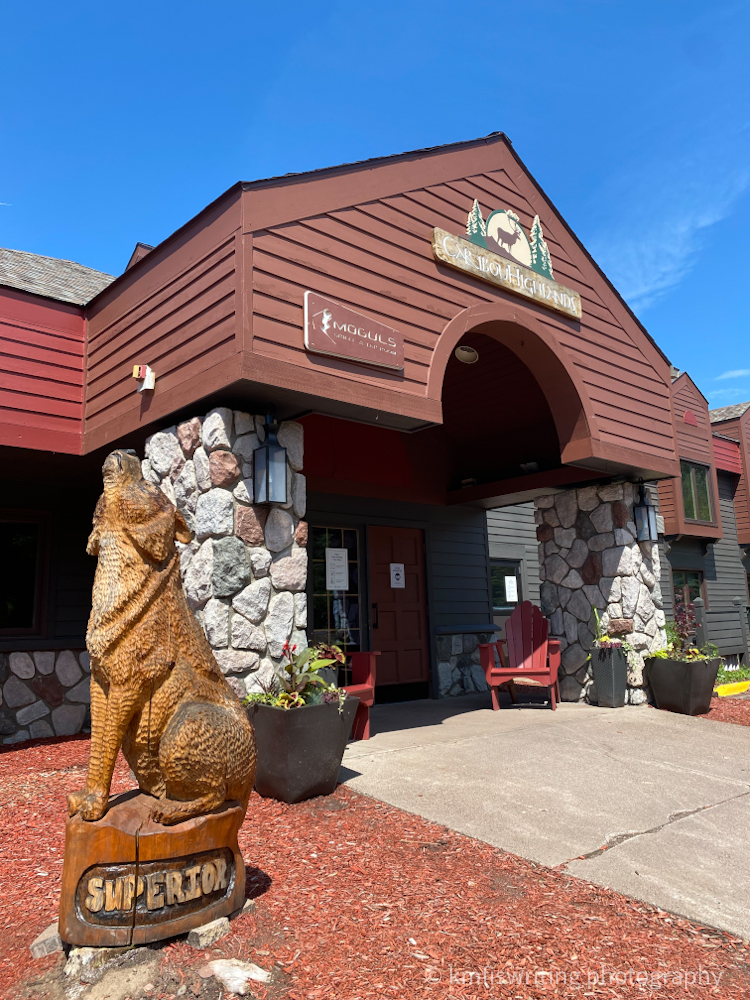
(300, 749)
(610, 667)
(683, 686)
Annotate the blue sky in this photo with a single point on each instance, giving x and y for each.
(119, 122)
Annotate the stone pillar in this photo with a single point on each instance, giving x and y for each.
(245, 572)
(589, 558)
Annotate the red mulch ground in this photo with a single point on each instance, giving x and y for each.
(735, 708)
(356, 899)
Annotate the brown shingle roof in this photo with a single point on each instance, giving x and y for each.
(727, 412)
(63, 280)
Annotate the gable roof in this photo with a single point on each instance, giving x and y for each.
(63, 280)
(727, 412)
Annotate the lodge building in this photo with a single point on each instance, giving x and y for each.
(466, 405)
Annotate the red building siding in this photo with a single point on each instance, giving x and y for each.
(740, 429)
(727, 456)
(695, 443)
(41, 373)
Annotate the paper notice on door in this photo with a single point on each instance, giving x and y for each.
(337, 569)
(511, 589)
(398, 577)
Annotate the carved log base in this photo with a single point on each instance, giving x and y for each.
(128, 880)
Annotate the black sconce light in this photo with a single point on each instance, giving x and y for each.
(645, 518)
(269, 468)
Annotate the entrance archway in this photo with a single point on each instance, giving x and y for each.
(561, 392)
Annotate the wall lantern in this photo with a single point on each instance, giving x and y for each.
(269, 468)
(645, 518)
(466, 354)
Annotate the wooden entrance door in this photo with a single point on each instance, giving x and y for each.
(399, 615)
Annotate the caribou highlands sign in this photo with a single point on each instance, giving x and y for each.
(340, 332)
(489, 266)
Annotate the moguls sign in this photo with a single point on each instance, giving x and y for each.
(500, 252)
(340, 332)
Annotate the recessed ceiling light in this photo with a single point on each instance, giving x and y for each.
(466, 354)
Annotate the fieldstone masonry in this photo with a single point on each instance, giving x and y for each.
(44, 693)
(459, 671)
(589, 558)
(244, 573)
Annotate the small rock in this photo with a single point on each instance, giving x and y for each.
(198, 585)
(19, 737)
(204, 936)
(300, 535)
(68, 719)
(217, 429)
(223, 468)
(236, 661)
(67, 669)
(289, 572)
(299, 495)
(81, 692)
(31, 713)
(245, 445)
(216, 623)
(260, 560)
(244, 423)
(189, 435)
(202, 470)
(40, 730)
(300, 610)
(292, 436)
(245, 635)
(278, 624)
(248, 906)
(164, 453)
(16, 694)
(47, 943)
(45, 661)
(231, 571)
(253, 601)
(249, 523)
(233, 974)
(279, 530)
(214, 514)
(22, 665)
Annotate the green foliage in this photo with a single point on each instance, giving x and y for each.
(681, 639)
(299, 683)
(732, 676)
(541, 260)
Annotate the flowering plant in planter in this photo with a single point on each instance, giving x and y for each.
(682, 676)
(681, 636)
(609, 664)
(299, 682)
(300, 752)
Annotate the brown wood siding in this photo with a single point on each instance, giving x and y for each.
(176, 310)
(740, 429)
(694, 444)
(727, 456)
(376, 257)
(41, 373)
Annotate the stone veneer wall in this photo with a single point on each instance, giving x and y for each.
(589, 556)
(459, 671)
(43, 694)
(245, 572)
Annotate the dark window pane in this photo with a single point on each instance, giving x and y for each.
(506, 585)
(350, 542)
(319, 577)
(19, 543)
(703, 502)
(688, 499)
(318, 543)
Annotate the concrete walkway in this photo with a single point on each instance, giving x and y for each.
(667, 794)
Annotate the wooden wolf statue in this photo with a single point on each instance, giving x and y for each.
(156, 689)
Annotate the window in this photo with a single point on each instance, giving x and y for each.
(335, 612)
(21, 541)
(696, 494)
(506, 584)
(688, 584)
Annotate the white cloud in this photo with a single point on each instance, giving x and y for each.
(737, 373)
(664, 211)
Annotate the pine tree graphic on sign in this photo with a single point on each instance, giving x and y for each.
(475, 228)
(541, 261)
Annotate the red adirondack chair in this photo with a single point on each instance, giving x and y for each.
(532, 656)
(363, 686)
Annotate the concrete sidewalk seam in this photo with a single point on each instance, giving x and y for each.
(620, 838)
